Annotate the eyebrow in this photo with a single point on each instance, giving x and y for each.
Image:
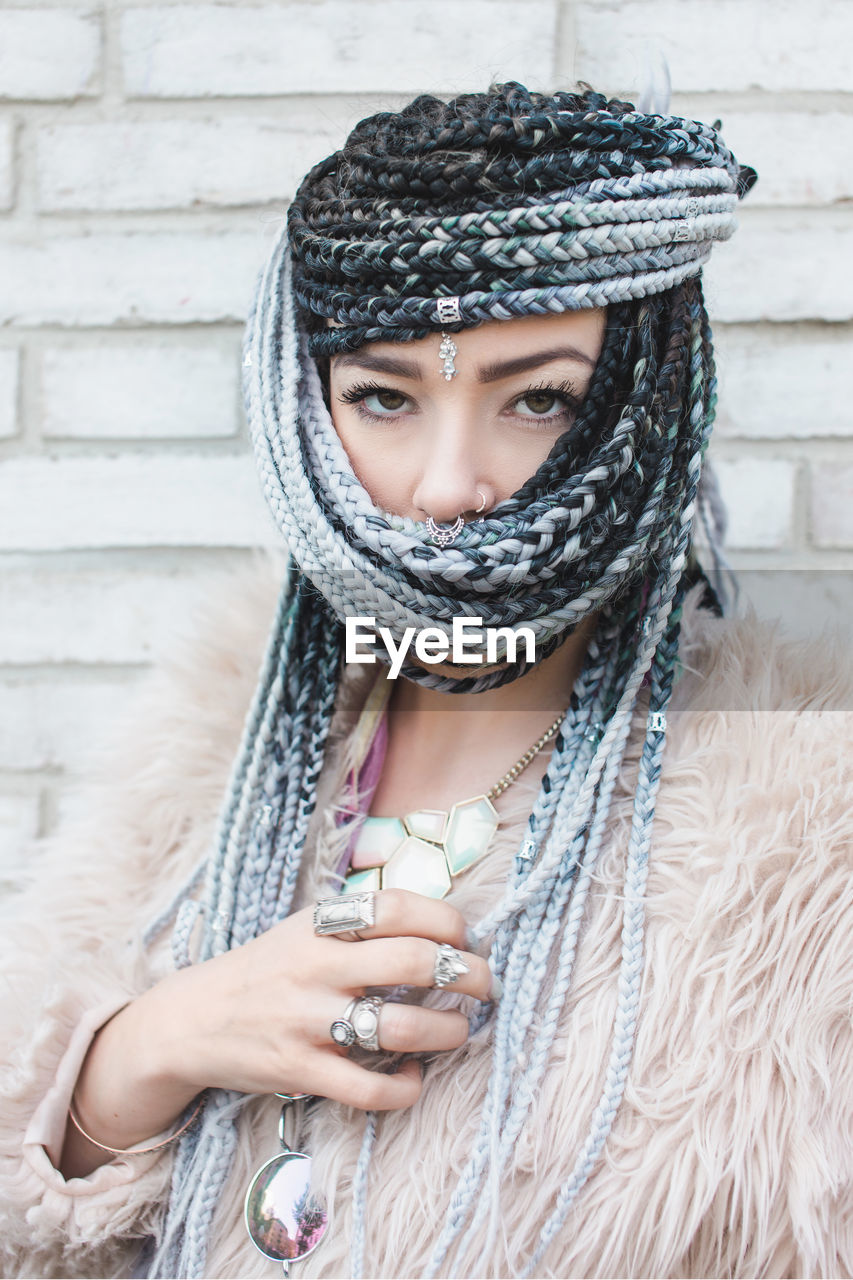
(486, 373)
(520, 364)
(380, 364)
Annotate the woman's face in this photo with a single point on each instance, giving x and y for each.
(425, 446)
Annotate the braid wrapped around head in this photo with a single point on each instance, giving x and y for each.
(515, 203)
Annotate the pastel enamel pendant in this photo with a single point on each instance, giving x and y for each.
(284, 1221)
(427, 848)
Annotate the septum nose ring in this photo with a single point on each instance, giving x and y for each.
(443, 534)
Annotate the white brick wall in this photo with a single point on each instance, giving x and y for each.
(175, 164)
(7, 163)
(802, 270)
(166, 389)
(54, 723)
(147, 154)
(832, 505)
(49, 53)
(759, 496)
(8, 391)
(201, 50)
(726, 46)
(123, 615)
(136, 277)
(781, 145)
(782, 381)
(54, 502)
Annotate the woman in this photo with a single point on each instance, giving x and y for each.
(480, 383)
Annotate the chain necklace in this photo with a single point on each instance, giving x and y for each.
(424, 850)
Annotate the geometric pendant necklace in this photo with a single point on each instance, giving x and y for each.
(424, 850)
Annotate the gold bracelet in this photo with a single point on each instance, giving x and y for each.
(131, 1151)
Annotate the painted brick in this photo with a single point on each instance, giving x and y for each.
(110, 278)
(124, 615)
(832, 505)
(798, 155)
(57, 722)
(783, 384)
(731, 47)
(796, 272)
(148, 390)
(7, 163)
(759, 497)
(174, 163)
(49, 503)
(48, 53)
(18, 826)
(375, 46)
(8, 391)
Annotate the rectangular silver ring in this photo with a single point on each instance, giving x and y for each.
(343, 914)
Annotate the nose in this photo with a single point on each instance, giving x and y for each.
(453, 478)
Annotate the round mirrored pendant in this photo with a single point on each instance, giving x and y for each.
(285, 1222)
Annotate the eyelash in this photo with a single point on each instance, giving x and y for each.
(565, 391)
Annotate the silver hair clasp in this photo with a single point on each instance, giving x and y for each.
(448, 310)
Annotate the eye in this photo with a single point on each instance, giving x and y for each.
(539, 402)
(548, 403)
(373, 400)
(392, 401)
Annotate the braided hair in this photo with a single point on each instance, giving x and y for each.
(513, 203)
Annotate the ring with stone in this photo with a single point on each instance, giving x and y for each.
(344, 914)
(342, 1030)
(449, 966)
(363, 1016)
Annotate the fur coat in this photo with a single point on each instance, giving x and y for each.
(732, 1151)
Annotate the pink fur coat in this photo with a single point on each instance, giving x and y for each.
(732, 1152)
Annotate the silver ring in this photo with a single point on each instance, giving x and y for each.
(344, 914)
(363, 1016)
(449, 966)
(482, 505)
(342, 1031)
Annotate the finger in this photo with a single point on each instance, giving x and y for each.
(409, 1028)
(333, 1076)
(400, 912)
(390, 962)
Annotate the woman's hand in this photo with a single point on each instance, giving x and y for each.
(257, 1019)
